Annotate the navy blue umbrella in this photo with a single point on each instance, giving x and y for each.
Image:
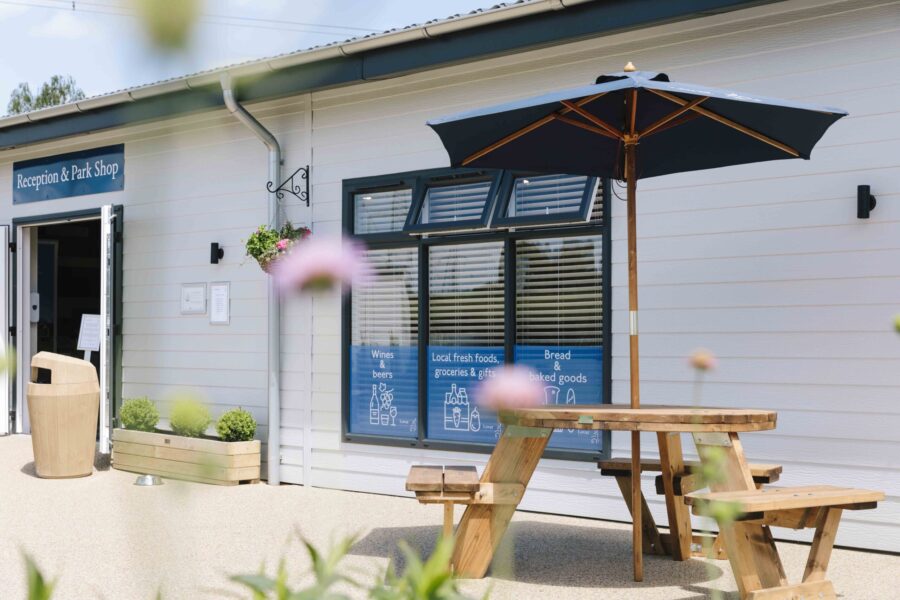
(632, 125)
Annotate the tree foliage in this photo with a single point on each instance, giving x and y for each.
(60, 89)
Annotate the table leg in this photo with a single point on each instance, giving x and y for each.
(750, 546)
(637, 520)
(448, 519)
(823, 542)
(478, 534)
(652, 541)
(672, 460)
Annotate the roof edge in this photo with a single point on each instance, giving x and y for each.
(498, 30)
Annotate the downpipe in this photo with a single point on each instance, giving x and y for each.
(273, 454)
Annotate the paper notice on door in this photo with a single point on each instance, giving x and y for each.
(219, 303)
(89, 333)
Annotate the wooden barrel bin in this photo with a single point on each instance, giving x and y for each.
(64, 415)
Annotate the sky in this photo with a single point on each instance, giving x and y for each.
(102, 45)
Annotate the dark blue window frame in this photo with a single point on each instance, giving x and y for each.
(582, 214)
(447, 179)
(404, 239)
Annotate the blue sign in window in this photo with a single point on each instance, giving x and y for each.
(384, 390)
(570, 375)
(454, 374)
(93, 171)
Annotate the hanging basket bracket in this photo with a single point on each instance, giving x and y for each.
(296, 185)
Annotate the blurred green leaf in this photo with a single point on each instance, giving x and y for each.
(38, 587)
(169, 23)
(429, 580)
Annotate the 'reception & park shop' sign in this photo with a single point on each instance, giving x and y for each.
(93, 171)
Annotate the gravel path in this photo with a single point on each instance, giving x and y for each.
(103, 537)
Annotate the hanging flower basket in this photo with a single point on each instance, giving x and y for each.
(267, 245)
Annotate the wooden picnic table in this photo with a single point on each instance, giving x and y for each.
(525, 436)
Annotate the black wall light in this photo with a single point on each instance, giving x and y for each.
(865, 202)
(215, 253)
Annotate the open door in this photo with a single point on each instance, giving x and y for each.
(108, 320)
(5, 391)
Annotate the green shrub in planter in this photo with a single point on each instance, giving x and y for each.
(189, 417)
(236, 425)
(139, 414)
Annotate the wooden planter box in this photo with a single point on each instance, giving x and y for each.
(194, 459)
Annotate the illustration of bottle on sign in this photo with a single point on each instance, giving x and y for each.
(458, 413)
(381, 406)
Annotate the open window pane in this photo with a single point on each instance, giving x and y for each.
(381, 211)
(453, 202)
(384, 387)
(545, 199)
(559, 324)
(466, 338)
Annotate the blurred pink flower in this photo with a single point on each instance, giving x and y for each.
(322, 263)
(703, 360)
(282, 245)
(510, 387)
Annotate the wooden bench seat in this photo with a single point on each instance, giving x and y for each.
(451, 485)
(762, 473)
(683, 483)
(788, 498)
(797, 507)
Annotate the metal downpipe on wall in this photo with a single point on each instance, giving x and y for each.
(273, 454)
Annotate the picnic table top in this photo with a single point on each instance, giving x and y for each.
(621, 417)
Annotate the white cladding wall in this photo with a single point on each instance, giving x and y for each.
(189, 182)
(765, 265)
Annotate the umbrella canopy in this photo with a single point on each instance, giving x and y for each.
(680, 127)
(631, 125)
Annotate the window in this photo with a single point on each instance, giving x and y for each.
(384, 397)
(486, 268)
(545, 199)
(559, 323)
(465, 337)
(381, 211)
(453, 202)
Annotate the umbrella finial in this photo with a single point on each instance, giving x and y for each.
(630, 68)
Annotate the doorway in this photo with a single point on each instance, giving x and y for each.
(66, 274)
(68, 284)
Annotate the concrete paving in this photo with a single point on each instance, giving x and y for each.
(103, 537)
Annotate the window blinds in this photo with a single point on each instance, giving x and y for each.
(385, 312)
(559, 291)
(455, 203)
(382, 211)
(466, 295)
(546, 195)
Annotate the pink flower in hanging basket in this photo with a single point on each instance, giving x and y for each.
(283, 245)
(511, 387)
(322, 264)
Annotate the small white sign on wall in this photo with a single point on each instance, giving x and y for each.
(89, 333)
(220, 303)
(193, 298)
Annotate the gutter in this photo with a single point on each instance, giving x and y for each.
(273, 442)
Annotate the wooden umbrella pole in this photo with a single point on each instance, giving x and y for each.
(631, 180)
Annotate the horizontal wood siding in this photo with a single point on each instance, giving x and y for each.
(766, 265)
